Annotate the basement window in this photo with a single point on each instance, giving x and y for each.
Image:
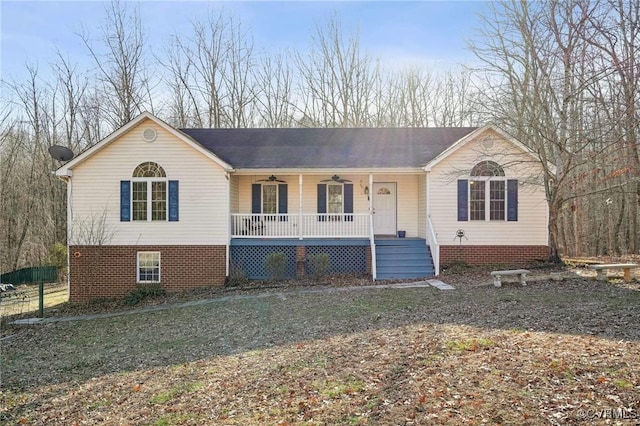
(148, 267)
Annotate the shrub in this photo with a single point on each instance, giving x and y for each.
(143, 292)
(276, 265)
(237, 276)
(318, 265)
(58, 256)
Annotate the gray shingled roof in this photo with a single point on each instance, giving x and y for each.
(328, 148)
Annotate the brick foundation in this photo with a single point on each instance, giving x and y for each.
(301, 256)
(106, 272)
(491, 255)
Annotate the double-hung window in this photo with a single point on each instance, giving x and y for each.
(149, 192)
(335, 201)
(335, 204)
(270, 199)
(149, 195)
(148, 267)
(488, 195)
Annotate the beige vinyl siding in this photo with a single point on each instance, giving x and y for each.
(422, 206)
(309, 192)
(234, 196)
(203, 192)
(408, 196)
(531, 227)
(244, 191)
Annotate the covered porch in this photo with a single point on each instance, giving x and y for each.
(278, 209)
(327, 204)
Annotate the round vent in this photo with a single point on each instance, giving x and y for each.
(487, 143)
(149, 134)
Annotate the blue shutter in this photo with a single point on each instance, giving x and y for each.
(512, 200)
(322, 201)
(463, 200)
(125, 200)
(283, 201)
(174, 201)
(348, 201)
(256, 198)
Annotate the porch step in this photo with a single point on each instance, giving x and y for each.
(403, 258)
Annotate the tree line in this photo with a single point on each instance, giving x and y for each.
(560, 76)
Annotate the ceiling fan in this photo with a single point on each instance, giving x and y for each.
(271, 178)
(336, 178)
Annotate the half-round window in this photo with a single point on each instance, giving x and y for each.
(149, 170)
(487, 168)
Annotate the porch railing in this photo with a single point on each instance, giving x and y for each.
(434, 246)
(248, 225)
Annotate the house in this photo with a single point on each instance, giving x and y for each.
(155, 204)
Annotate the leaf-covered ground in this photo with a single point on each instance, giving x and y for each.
(554, 352)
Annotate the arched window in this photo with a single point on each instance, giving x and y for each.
(149, 170)
(487, 191)
(487, 168)
(149, 192)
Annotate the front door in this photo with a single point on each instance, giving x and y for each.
(384, 208)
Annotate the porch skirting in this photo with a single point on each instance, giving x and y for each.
(106, 272)
(492, 255)
(347, 256)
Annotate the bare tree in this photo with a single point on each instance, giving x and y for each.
(26, 187)
(541, 65)
(613, 29)
(336, 79)
(275, 93)
(120, 65)
(528, 68)
(211, 74)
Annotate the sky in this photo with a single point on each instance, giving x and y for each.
(431, 33)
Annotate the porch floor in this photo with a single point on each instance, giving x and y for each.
(298, 242)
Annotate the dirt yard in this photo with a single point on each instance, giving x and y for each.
(554, 352)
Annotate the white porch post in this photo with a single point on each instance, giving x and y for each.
(427, 201)
(300, 208)
(372, 244)
(371, 196)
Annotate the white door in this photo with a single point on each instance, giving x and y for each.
(384, 208)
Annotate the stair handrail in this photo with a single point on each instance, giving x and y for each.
(434, 246)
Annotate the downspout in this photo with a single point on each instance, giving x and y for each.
(67, 180)
(228, 245)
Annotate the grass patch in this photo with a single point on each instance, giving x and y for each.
(335, 389)
(175, 419)
(624, 384)
(470, 344)
(175, 392)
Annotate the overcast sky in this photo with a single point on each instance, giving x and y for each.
(397, 32)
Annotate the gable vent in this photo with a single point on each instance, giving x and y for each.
(487, 143)
(149, 134)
